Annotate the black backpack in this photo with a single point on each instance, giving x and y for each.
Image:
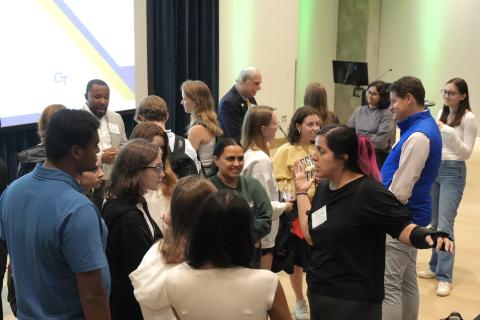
(181, 163)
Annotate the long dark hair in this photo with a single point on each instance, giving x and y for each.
(134, 157)
(297, 118)
(222, 144)
(222, 233)
(356, 151)
(463, 106)
(148, 131)
(382, 88)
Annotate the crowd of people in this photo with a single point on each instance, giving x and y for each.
(196, 224)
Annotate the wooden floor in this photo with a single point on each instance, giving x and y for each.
(465, 296)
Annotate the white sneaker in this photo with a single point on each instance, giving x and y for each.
(443, 288)
(426, 274)
(301, 310)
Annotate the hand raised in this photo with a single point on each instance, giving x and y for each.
(299, 178)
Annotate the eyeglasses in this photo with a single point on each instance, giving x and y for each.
(373, 94)
(448, 93)
(158, 169)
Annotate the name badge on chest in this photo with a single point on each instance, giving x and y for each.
(113, 128)
(319, 217)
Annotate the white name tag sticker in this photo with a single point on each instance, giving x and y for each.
(113, 128)
(319, 217)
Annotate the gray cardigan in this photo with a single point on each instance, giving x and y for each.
(378, 124)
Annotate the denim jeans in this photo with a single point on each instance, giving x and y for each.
(447, 193)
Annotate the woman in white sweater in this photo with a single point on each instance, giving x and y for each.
(259, 130)
(148, 279)
(458, 127)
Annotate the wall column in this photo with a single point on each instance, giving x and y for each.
(357, 40)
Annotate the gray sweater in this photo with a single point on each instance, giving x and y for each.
(378, 124)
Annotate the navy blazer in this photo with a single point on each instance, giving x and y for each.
(231, 111)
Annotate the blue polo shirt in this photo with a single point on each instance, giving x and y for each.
(52, 232)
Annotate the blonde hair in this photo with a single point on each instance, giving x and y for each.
(152, 108)
(204, 113)
(189, 192)
(316, 97)
(252, 135)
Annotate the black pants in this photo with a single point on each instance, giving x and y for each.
(327, 308)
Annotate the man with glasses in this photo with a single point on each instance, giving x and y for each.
(409, 172)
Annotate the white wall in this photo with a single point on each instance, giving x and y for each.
(435, 40)
(317, 45)
(141, 60)
(261, 34)
(291, 48)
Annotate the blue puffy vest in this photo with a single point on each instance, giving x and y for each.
(420, 202)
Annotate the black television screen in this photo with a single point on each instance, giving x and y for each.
(348, 72)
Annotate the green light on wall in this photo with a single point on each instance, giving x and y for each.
(242, 14)
(432, 21)
(306, 11)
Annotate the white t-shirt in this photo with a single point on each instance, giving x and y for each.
(228, 293)
(148, 282)
(458, 142)
(158, 206)
(258, 165)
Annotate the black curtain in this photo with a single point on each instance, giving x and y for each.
(182, 44)
(16, 139)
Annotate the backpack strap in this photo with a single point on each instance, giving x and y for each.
(202, 168)
(179, 144)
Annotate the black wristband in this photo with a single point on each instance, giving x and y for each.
(418, 235)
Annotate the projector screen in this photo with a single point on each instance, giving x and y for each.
(52, 48)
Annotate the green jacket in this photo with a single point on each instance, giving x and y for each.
(257, 198)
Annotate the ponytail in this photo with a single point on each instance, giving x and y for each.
(366, 158)
(343, 140)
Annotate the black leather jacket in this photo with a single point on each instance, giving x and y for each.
(29, 158)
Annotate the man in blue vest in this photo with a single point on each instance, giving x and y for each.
(409, 172)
